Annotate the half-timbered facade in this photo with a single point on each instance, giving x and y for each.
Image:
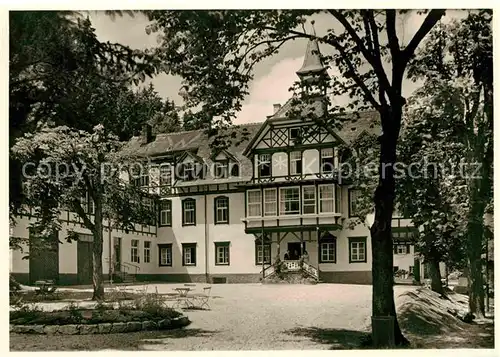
(230, 216)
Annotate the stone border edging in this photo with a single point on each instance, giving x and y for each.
(103, 328)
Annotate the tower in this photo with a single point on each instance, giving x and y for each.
(313, 74)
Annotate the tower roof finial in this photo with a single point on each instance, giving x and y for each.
(312, 59)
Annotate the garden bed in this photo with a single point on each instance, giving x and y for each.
(144, 313)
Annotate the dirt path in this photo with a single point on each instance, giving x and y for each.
(246, 317)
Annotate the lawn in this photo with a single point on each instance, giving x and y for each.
(265, 317)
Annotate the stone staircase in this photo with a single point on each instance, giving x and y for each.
(292, 267)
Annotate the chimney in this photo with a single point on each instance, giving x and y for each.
(276, 107)
(147, 134)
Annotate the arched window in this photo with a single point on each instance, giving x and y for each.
(221, 210)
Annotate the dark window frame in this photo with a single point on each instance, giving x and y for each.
(223, 244)
(330, 160)
(191, 246)
(167, 246)
(328, 238)
(357, 240)
(220, 199)
(168, 216)
(258, 245)
(183, 203)
(260, 166)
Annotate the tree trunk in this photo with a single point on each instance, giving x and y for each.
(381, 233)
(97, 280)
(475, 230)
(435, 274)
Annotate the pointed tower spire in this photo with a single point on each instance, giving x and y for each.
(312, 65)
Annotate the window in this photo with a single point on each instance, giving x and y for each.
(165, 255)
(294, 135)
(401, 249)
(327, 249)
(134, 251)
(254, 203)
(357, 250)
(309, 200)
(166, 213)
(289, 200)
(189, 171)
(222, 253)
(141, 176)
(353, 202)
(264, 164)
(328, 252)
(189, 212)
(165, 175)
(189, 254)
(235, 169)
(147, 252)
(221, 169)
(326, 199)
(327, 163)
(270, 202)
(296, 163)
(258, 252)
(221, 210)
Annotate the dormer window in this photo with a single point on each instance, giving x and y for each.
(189, 173)
(264, 165)
(221, 169)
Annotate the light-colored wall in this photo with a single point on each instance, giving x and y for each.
(68, 261)
(405, 261)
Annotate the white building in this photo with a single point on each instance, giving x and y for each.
(277, 192)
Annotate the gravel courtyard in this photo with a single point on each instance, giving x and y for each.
(245, 316)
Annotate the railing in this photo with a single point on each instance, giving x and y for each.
(292, 266)
(269, 271)
(311, 270)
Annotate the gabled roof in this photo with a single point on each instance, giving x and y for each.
(195, 141)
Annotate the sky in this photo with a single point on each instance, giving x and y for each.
(272, 77)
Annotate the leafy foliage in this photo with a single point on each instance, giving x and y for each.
(61, 75)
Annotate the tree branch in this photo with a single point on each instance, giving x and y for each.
(345, 58)
(432, 18)
(376, 64)
(390, 19)
(79, 210)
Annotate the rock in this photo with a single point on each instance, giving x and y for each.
(119, 327)
(164, 324)
(35, 329)
(133, 326)
(88, 329)
(104, 328)
(69, 329)
(148, 325)
(51, 329)
(180, 321)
